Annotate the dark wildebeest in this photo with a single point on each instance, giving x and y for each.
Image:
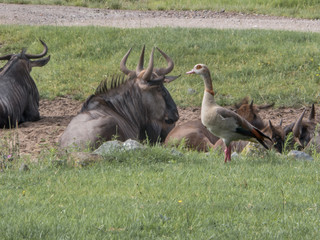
(19, 96)
(139, 108)
(302, 130)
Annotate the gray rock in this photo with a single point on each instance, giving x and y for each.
(132, 145)
(112, 146)
(235, 155)
(300, 155)
(108, 147)
(175, 152)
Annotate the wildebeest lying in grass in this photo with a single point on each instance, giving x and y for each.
(139, 108)
(19, 96)
(251, 112)
(194, 135)
(302, 130)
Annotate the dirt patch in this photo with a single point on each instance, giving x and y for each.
(44, 134)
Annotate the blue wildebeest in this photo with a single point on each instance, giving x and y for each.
(19, 96)
(303, 131)
(139, 108)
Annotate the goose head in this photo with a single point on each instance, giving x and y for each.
(200, 69)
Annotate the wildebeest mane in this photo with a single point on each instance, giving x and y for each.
(111, 88)
(122, 96)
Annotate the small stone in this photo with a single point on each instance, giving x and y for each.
(235, 155)
(132, 145)
(253, 149)
(175, 152)
(108, 147)
(298, 155)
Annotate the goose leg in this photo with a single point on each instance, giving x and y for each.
(227, 154)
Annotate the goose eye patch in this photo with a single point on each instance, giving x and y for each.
(198, 67)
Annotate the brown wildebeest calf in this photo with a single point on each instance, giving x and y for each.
(303, 131)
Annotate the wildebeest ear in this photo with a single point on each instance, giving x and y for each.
(312, 113)
(156, 81)
(40, 63)
(6, 57)
(168, 79)
(297, 128)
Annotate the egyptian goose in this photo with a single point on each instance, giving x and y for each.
(224, 123)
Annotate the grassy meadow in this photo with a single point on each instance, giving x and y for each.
(153, 194)
(156, 195)
(291, 8)
(268, 66)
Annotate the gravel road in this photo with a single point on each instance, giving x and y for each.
(79, 16)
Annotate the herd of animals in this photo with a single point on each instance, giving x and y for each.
(138, 106)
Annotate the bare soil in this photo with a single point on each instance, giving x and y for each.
(44, 134)
(35, 137)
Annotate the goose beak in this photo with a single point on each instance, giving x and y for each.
(190, 72)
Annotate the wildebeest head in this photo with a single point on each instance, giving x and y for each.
(23, 60)
(251, 112)
(19, 97)
(276, 133)
(155, 96)
(302, 130)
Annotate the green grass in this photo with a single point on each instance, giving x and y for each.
(292, 8)
(269, 66)
(155, 195)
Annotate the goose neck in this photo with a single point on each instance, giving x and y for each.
(208, 83)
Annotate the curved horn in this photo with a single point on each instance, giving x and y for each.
(312, 113)
(147, 74)
(251, 104)
(123, 66)
(297, 126)
(164, 71)
(6, 57)
(141, 60)
(44, 52)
